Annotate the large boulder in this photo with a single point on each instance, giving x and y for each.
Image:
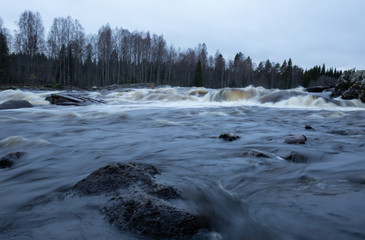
(351, 85)
(67, 99)
(13, 104)
(139, 204)
(153, 217)
(117, 176)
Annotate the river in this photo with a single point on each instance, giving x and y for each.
(319, 196)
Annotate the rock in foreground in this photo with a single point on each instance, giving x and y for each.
(13, 104)
(137, 203)
(153, 217)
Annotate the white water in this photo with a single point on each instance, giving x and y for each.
(177, 129)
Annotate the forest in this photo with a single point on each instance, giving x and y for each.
(67, 56)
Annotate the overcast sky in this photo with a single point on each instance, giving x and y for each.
(311, 32)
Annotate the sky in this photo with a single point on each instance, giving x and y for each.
(310, 32)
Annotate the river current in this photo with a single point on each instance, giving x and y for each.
(319, 196)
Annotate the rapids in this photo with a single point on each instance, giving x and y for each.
(176, 130)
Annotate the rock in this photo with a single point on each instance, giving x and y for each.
(360, 179)
(229, 137)
(256, 154)
(137, 203)
(318, 89)
(111, 178)
(153, 218)
(306, 180)
(296, 157)
(351, 85)
(307, 127)
(71, 99)
(8, 160)
(198, 92)
(295, 139)
(12, 104)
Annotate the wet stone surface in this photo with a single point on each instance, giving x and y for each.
(138, 204)
(13, 104)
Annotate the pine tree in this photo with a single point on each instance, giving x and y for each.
(198, 79)
(4, 59)
(323, 71)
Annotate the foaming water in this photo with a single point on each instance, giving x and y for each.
(200, 97)
(15, 140)
(250, 96)
(35, 98)
(257, 187)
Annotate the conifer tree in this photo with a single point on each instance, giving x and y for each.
(323, 71)
(4, 59)
(198, 79)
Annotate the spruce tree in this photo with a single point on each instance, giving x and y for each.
(323, 71)
(198, 79)
(4, 59)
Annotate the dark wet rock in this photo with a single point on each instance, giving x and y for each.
(294, 156)
(13, 104)
(111, 178)
(318, 89)
(9, 159)
(139, 204)
(153, 218)
(71, 99)
(351, 85)
(256, 154)
(356, 179)
(164, 192)
(295, 139)
(306, 180)
(229, 137)
(307, 127)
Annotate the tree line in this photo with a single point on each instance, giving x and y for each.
(67, 56)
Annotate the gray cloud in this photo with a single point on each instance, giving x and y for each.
(311, 32)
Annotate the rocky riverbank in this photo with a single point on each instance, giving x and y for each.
(351, 85)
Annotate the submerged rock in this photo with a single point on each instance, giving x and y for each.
(360, 179)
(229, 137)
(293, 156)
(295, 139)
(307, 127)
(71, 99)
(13, 104)
(256, 154)
(9, 159)
(137, 203)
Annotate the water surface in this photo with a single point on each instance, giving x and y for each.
(177, 129)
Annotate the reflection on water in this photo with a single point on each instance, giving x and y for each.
(246, 196)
